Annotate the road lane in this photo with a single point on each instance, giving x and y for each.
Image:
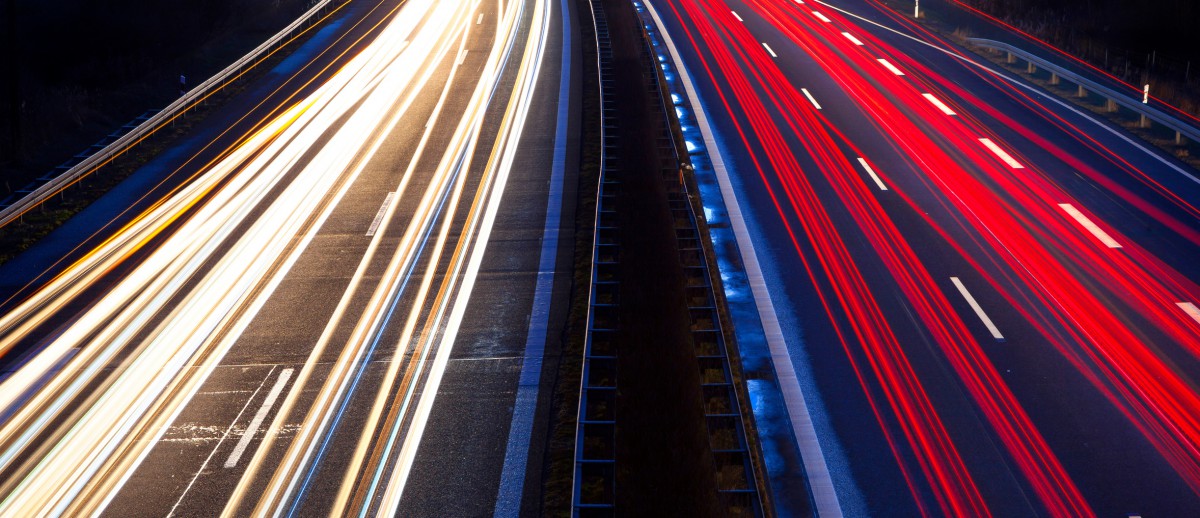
(300, 187)
(878, 103)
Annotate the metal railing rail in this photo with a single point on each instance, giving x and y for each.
(1181, 128)
(724, 421)
(594, 479)
(91, 163)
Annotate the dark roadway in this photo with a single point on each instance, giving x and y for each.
(456, 458)
(1115, 467)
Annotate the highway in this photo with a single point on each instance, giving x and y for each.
(987, 295)
(343, 312)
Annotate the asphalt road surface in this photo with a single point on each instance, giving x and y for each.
(988, 295)
(343, 309)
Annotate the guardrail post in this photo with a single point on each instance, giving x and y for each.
(1053, 78)
(1110, 105)
(1081, 92)
(1012, 58)
(1178, 138)
(1031, 68)
(1143, 122)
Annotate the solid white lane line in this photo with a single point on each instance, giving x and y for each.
(768, 47)
(735, 15)
(516, 453)
(1090, 225)
(1008, 159)
(379, 215)
(852, 38)
(890, 66)
(810, 98)
(978, 310)
(1190, 309)
(871, 172)
(940, 105)
(821, 16)
(269, 402)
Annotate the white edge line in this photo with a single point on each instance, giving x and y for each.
(516, 454)
(871, 172)
(940, 105)
(1190, 309)
(379, 215)
(978, 310)
(1090, 225)
(852, 38)
(811, 99)
(890, 66)
(820, 481)
(267, 403)
(768, 47)
(412, 440)
(1007, 158)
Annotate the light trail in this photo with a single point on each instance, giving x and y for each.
(1081, 302)
(77, 425)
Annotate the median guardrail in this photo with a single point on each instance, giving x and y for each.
(726, 424)
(594, 484)
(1085, 85)
(63, 177)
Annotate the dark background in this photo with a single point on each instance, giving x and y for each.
(76, 70)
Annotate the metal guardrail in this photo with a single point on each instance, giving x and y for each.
(723, 418)
(92, 162)
(1181, 128)
(594, 483)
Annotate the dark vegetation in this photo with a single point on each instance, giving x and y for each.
(83, 68)
(1137, 41)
